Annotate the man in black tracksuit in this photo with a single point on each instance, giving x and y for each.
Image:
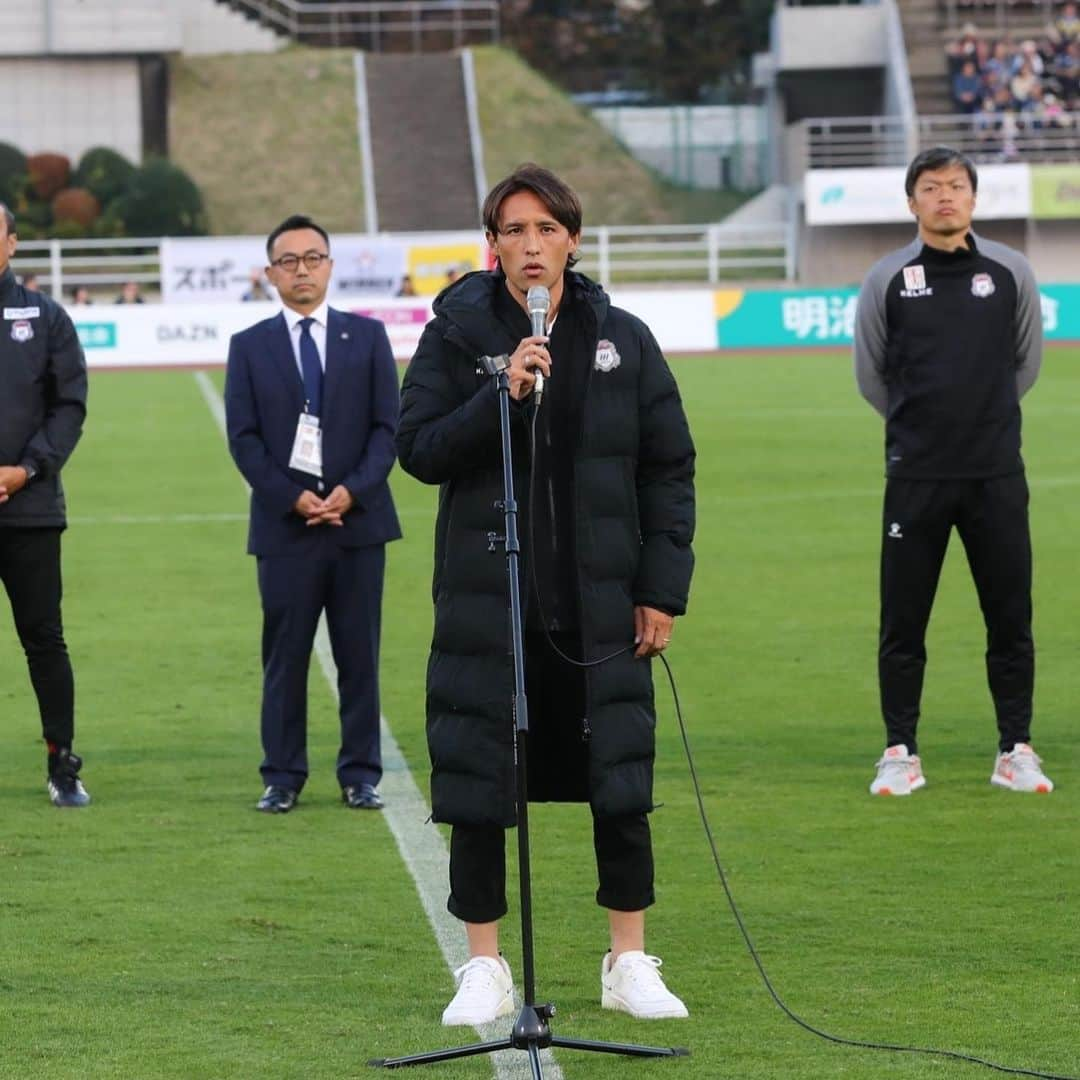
(42, 408)
(948, 338)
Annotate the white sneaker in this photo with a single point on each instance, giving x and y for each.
(898, 773)
(1021, 770)
(485, 991)
(633, 984)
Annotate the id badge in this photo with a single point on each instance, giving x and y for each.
(307, 446)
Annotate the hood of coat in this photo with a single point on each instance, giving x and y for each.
(468, 307)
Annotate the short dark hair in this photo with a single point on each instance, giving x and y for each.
(9, 218)
(938, 157)
(291, 224)
(558, 196)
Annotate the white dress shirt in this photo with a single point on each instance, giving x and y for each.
(318, 333)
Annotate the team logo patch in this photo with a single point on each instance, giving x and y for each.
(607, 356)
(982, 286)
(914, 277)
(21, 330)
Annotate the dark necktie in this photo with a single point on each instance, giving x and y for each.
(309, 363)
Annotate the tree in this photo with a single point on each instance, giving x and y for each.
(679, 49)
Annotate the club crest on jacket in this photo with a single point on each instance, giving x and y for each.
(607, 356)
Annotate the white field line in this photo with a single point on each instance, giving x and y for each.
(422, 847)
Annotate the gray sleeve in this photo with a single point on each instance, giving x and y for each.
(871, 331)
(1029, 329)
(1028, 340)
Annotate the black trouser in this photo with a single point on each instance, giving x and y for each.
(30, 569)
(624, 866)
(558, 769)
(991, 517)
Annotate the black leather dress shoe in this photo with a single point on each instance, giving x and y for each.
(277, 800)
(361, 797)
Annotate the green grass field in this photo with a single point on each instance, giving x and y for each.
(171, 931)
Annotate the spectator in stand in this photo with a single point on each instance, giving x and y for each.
(129, 294)
(257, 289)
(1000, 62)
(1029, 54)
(1053, 112)
(81, 295)
(987, 126)
(967, 88)
(1066, 70)
(964, 48)
(1032, 111)
(406, 288)
(1067, 24)
(30, 281)
(1023, 85)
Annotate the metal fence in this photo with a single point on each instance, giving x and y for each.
(1000, 15)
(843, 142)
(369, 24)
(611, 254)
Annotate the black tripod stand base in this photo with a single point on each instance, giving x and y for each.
(532, 1048)
(627, 1049)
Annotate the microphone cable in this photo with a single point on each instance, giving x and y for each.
(898, 1048)
(953, 1055)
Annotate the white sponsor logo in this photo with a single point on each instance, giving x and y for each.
(914, 277)
(895, 532)
(821, 317)
(22, 312)
(607, 356)
(21, 331)
(982, 286)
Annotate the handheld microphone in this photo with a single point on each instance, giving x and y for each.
(538, 303)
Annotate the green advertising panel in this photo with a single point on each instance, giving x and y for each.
(96, 335)
(801, 318)
(1055, 191)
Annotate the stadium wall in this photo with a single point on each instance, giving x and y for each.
(699, 320)
(70, 105)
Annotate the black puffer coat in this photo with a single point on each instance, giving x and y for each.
(634, 509)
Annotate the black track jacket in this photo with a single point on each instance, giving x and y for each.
(42, 400)
(946, 344)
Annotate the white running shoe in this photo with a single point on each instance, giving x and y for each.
(1021, 770)
(898, 773)
(633, 985)
(485, 991)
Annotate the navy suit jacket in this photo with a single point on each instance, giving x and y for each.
(264, 396)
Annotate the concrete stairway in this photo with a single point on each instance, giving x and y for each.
(211, 26)
(925, 36)
(421, 154)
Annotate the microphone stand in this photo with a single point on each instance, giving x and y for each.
(531, 1031)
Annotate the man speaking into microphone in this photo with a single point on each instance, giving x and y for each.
(607, 519)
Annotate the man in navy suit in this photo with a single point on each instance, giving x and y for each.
(311, 401)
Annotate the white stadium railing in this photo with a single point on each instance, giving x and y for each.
(1000, 14)
(864, 141)
(625, 254)
(340, 22)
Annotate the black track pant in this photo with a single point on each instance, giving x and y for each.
(623, 845)
(624, 864)
(992, 520)
(30, 569)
